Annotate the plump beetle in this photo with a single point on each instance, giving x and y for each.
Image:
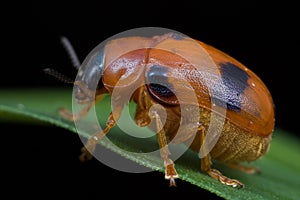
(156, 74)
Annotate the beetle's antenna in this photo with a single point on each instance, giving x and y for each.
(58, 75)
(70, 50)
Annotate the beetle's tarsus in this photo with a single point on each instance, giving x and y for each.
(171, 173)
(88, 149)
(206, 167)
(223, 179)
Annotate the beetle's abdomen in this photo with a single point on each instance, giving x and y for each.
(234, 144)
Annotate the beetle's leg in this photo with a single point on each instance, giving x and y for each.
(206, 167)
(170, 171)
(142, 118)
(142, 110)
(65, 113)
(246, 169)
(93, 141)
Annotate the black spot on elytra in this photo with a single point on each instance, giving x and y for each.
(234, 82)
(158, 81)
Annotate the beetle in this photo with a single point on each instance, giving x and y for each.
(156, 69)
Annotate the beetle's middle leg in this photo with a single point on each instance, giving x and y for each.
(143, 115)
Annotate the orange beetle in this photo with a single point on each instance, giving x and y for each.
(165, 70)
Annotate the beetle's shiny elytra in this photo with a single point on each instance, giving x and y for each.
(249, 119)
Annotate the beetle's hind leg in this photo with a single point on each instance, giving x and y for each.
(170, 171)
(216, 174)
(245, 169)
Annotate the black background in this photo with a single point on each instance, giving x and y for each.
(45, 158)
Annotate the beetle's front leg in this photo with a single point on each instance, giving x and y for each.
(216, 174)
(90, 146)
(65, 113)
(170, 171)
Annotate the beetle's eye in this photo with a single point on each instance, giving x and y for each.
(159, 86)
(158, 81)
(161, 90)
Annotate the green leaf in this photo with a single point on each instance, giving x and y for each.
(280, 177)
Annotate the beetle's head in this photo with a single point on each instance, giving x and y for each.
(89, 77)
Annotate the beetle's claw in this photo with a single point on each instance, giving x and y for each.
(171, 174)
(234, 183)
(85, 155)
(172, 182)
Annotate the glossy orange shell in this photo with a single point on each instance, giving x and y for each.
(193, 68)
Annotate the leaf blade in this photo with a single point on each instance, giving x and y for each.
(280, 169)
